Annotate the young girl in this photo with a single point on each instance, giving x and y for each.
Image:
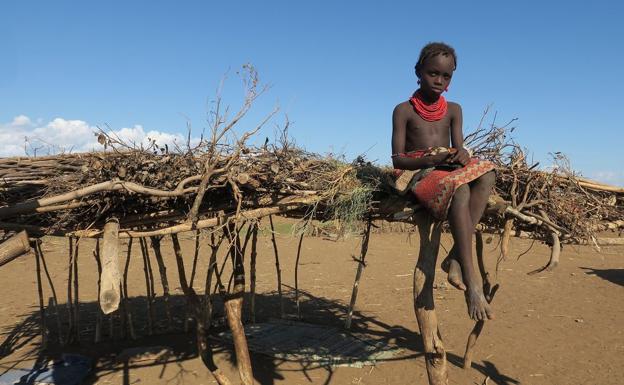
(447, 181)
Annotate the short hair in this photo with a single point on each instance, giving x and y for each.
(432, 50)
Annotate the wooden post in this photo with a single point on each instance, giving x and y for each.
(489, 290)
(14, 247)
(252, 272)
(110, 277)
(203, 343)
(44, 332)
(163, 278)
(277, 268)
(358, 275)
(297, 275)
(424, 274)
(233, 310)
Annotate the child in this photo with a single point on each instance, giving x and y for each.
(448, 182)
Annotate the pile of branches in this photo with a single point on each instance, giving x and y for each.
(154, 191)
(555, 205)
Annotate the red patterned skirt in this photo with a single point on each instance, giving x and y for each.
(434, 188)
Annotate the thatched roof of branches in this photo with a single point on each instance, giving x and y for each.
(153, 190)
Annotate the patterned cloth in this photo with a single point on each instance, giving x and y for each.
(434, 187)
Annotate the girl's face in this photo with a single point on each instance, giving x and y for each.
(435, 75)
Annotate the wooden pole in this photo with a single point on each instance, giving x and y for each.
(252, 272)
(76, 301)
(297, 275)
(70, 301)
(14, 247)
(147, 273)
(203, 344)
(110, 277)
(277, 268)
(424, 274)
(489, 290)
(54, 298)
(233, 310)
(358, 275)
(98, 315)
(162, 269)
(44, 334)
(126, 304)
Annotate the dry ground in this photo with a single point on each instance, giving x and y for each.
(562, 327)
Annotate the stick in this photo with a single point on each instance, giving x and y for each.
(126, 303)
(277, 268)
(98, 315)
(424, 274)
(358, 275)
(70, 302)
(163, 278)
(76, 301)
(39, 251)
(252, 271)
(44, 338)
(14, 247)
(297, 275)
(489, 290)
(150, 317)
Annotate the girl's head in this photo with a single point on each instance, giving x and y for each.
(434, 49)
(435, 67)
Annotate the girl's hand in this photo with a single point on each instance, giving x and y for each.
(461, 156)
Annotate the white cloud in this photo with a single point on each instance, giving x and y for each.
(23, 137)
(615, 178)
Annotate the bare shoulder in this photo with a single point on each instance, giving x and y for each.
(454, 107)
(402, 109)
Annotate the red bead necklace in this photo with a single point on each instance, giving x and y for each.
(429, 112)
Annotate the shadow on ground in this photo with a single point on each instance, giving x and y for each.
(612, 275)
(21, 345)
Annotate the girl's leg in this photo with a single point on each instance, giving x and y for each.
(480, 190)
(462, 228)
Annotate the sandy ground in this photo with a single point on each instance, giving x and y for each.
(561, 327)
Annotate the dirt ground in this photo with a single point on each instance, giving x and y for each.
(561, 327)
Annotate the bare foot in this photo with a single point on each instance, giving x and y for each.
(453, 268)
(478, 308)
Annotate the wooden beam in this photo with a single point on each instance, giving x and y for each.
(110, 277)
(14, 247)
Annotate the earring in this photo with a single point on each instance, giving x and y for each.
(446, 89)
(418, 82)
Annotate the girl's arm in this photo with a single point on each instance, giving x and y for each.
(399, 132)
(457, 136)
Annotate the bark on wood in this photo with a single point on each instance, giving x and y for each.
(14, 247)
(424, 274)
(110, 277)
(358, 275)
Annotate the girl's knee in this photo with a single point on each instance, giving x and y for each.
(462, 195)
(488, 179)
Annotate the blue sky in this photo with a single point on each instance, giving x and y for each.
(336, 68)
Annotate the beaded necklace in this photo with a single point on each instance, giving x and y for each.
(429, 112)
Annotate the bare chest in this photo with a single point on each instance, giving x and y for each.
(422, 134)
